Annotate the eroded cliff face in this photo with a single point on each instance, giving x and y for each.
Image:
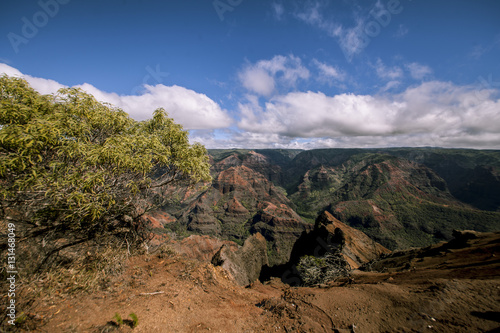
(392, 195)
(244, 264)
(357, 248)
(473, 176)
(398, 202)
(281, 227)
(329, 251)
(242, 200)
(331, 236)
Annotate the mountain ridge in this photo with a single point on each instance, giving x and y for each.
(400, 197)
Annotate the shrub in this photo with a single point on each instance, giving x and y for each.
(73, 169)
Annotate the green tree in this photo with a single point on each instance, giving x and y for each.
(73, 169)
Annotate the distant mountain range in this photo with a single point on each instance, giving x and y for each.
(400, 197)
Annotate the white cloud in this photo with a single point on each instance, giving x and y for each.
(290, 67)
(388, 73)
(262, 77)
(395, 73)
(352, 40)
(257, 80)
(418, 71)
(43, 86)
(233, 138)
(11, 71)
(271, 140)
(391, 84)
(187, 107)
(311, 15)
(328, 72)
(314, 114)
(433, 113)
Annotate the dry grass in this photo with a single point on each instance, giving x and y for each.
(86, 269)
(88, 273)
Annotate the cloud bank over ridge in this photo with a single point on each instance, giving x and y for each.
(275, 114)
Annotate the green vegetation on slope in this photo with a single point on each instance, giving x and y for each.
(401, 197)
(397, 202)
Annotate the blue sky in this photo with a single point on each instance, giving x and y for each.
(274, 74)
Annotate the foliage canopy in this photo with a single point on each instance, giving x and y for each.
(73, 168)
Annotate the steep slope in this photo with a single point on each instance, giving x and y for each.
(473, 176)
(400, 197)
(358, 248)
(241, 200)
(398, 202)
(329, 251)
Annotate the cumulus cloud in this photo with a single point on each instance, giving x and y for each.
(43, 86)
(432, 113)
(187, 107)
(257, 80)
(314, 114)
(241, 139)
(11, 71)
(262, 78)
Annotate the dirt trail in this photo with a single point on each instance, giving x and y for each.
(456, 290)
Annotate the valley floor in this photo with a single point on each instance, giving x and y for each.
(454, 290)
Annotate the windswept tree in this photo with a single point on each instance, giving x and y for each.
(73, 169)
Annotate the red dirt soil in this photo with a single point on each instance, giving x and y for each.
(427, 290)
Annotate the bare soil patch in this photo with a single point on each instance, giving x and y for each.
(457, 290)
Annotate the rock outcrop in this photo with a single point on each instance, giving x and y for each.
(281, 226)
(158, 219)
(244, 264)
(242, 201)
(358, 247)
(399, 197)
(202, 248)
(330, 235)
(331, 250)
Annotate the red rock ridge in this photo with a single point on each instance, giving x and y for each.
(358, 248)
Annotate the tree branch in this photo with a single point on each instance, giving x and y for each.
(59, 249)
